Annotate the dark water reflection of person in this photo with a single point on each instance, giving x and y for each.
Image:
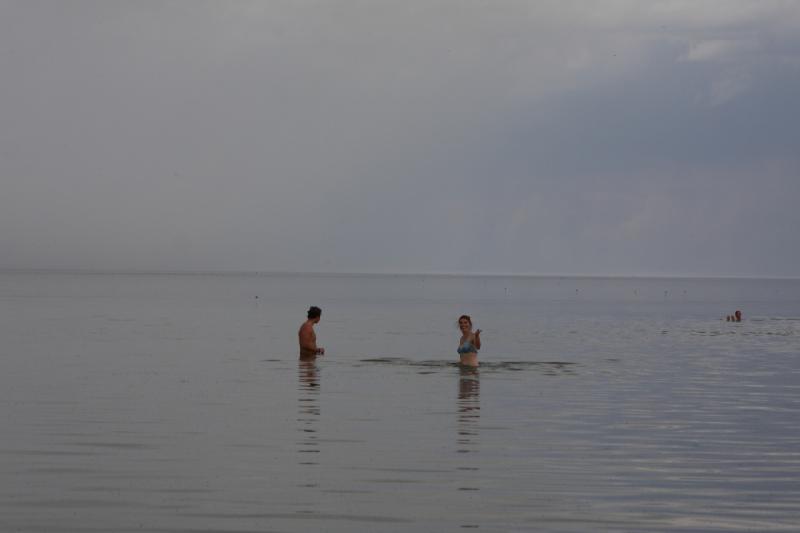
(308, 411)
(469, 409)
(468, 419)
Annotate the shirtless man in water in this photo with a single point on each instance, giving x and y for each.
(307, 336)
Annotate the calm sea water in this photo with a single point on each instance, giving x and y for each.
(176, 403)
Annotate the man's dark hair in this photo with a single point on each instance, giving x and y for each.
(314, 311)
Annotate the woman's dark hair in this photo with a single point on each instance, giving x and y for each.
(465, 317)
(314, 311)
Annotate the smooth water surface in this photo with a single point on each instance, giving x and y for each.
(177, 403)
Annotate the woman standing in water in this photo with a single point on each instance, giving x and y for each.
(470, 342)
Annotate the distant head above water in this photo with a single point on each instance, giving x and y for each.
(735, 317)
(314, 313)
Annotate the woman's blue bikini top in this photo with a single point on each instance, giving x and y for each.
(467, 347)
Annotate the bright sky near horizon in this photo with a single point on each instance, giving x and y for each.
(606, 137)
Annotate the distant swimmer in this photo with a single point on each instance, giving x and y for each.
(470, 342)
(735, 317)
(307, 336)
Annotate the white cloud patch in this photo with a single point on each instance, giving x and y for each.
(721, 50)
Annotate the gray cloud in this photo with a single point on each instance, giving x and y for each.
(623, 137)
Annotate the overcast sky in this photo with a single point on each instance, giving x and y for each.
(563, 137)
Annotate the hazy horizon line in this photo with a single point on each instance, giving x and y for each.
(187, 272)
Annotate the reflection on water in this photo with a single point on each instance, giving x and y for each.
(308, 412)
(468, 420)
(469, 409)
